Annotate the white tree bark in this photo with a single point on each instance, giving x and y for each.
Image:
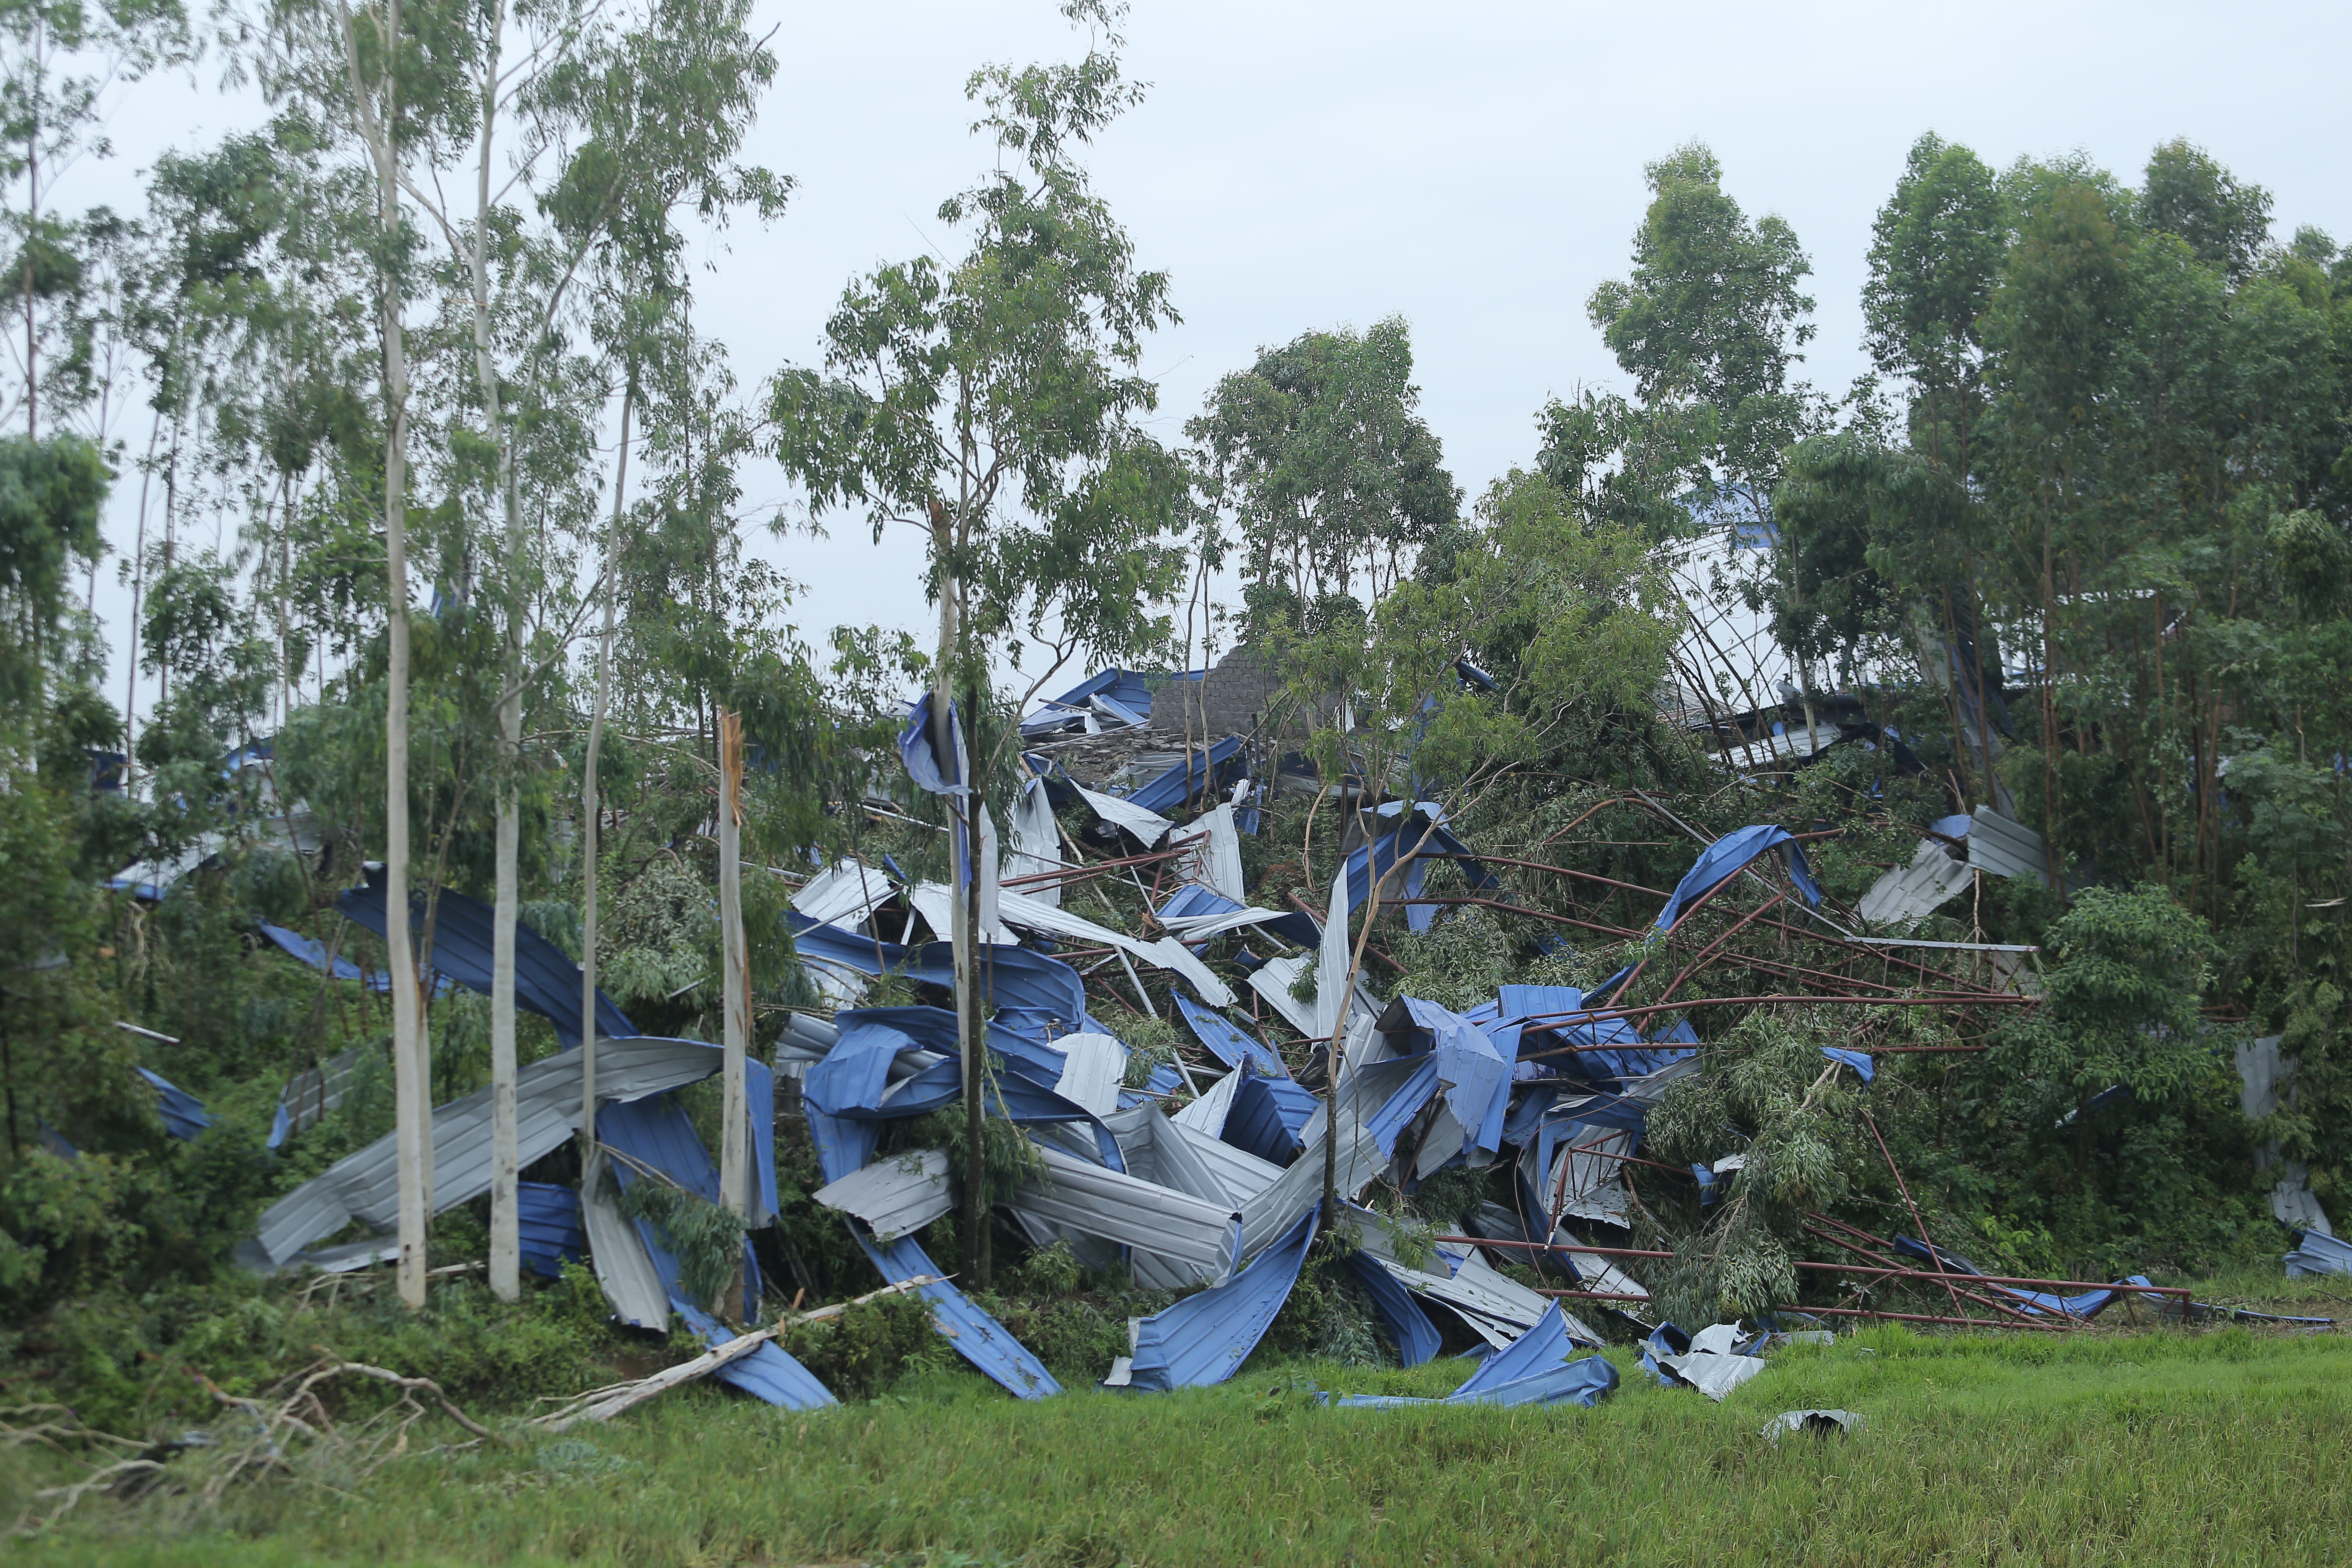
(410, 1057)
(589, 808)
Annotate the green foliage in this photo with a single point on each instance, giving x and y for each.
(1320, 452)
(706, 1239)
(50, 495)
(861, 1354)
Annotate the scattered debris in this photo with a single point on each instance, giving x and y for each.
(1813, 1423)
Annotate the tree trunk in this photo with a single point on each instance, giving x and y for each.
(959, 934)
(412, 1070)
(506, 1236)
(589, 811)
(734, 1147)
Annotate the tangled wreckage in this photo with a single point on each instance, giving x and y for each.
(1297, 1096)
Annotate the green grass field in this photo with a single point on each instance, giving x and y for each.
(2160, 1446)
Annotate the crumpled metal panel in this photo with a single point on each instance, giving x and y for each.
(977, 1337)
(1535, 1369)
(1204, 1236)
(1907, 892)
(1726, 856)
(184, 1114)
(2319, 1254)
(1206, 1113)
(364, 1184)
(1268, 1117)
(548, 1217)
(657, 1131)
(624, 1269)
(1204, 1338)
(1417, 1339)
(895, 1196)
(2006, 848)
(844, 893)
(1092, 1069)
(1227, 1041)
(546, 982)
(1144, 823)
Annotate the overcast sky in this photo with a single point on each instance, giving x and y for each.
(1475, 168)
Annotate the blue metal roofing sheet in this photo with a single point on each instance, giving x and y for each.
(546, 982)
(1205, 1337)
(977, 1337)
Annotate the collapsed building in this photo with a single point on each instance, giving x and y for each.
(1205, 1177)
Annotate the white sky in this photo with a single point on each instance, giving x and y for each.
(1477, 168)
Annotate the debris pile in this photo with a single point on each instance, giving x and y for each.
(1454, 1163)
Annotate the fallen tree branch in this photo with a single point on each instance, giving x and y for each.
(603, 1404)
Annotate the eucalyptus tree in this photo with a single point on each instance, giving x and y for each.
(611, 124)
(993, 405)
(57, 59)
(1710, 326)
(1321, 451)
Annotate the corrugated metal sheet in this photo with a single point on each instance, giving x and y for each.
(1535, 1369)
(549, 1218)
(2006, 848)
(1910, 892)
(1144, 823)
(1199, 773)
(1204, 1338)
(364, 1184)
(1242, 1174)
(1227, 1041)
(895, 1196)
(657, 1131)
(769, 1372)
(844, 893)
(1268, 1117)
(1202, 1235)
(546, 982)
(1207, 1113)
(1092, 1068)
(625, 1271)
(977, 1337)
(185, 1115)
(1417, 1339)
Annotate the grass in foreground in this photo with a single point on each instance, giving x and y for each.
(2205, 1446)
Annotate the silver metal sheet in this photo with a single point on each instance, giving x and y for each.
(364, 1184)
(896, 1195)
(616, 1250)
(1168, 1224)
(2004, 848)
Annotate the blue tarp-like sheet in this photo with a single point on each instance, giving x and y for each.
(546, 982)
(185, 1115)
(549, 1218)
(1205, 1337)
(1724, 857)
(977, 1337)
